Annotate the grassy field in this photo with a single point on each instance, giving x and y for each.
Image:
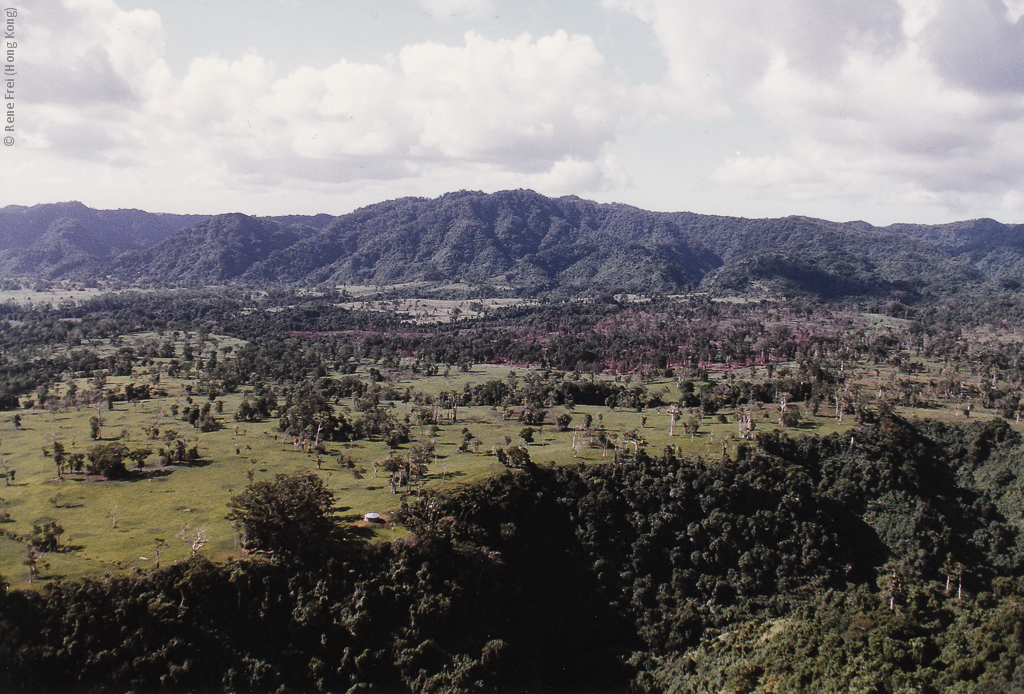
(117, 525)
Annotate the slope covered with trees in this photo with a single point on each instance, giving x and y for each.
(519, 241)
(891, 561)
(58, 239)
(211, 252)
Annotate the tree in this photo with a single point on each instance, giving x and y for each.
(46, 535)
(673, 415)
(395, 467)
(526, 434)
(160, 545)
(790, 417)
(107, 459)
(514, 457)
(139, 455)
(290, 516)
(60, 458)
(420, 456)
(632, 436)
(195, 539)
(467, 437)
(784, 399)
(33, 560)
(8, 471)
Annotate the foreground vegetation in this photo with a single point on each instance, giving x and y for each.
(802, 564)
(673, 495)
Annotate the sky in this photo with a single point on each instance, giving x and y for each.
(878, 110)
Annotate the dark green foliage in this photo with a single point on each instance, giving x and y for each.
(423, 616)
(291, 516)
(773, 572)
(257, 406)
(517, 457)
(214, 250)
(46, 535)
(307, 413)
(107, 459)
(851, 641)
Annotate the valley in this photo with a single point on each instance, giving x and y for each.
(487, 482)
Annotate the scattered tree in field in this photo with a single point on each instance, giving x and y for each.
(34, 562)
(517, 457)
(358, 473)
(139, 455)
(526, 434)
(60, 458)
(633, 437)
(467, 438)
(673, 415)
(160, 545)
(292, 515)
(791, 417)
(693, 425)
(784, 399)
(8, 471)
(578, 435)
(745, 422)
(394, 466)
(195, 539)
(46, 535)
(107, 459)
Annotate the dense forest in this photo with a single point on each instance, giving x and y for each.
(889, 562)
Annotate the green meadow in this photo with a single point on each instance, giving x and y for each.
(114, 526)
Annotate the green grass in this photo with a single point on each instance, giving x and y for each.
(114, 525)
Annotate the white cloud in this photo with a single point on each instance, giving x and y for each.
(82, 67)
(974, 44)
(536, 109)
(1014, 10)
(444, 9)
(881, 100)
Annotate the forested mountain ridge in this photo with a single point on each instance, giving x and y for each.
(55, 239)
(68, 239)
(215, 250)
(522, 240)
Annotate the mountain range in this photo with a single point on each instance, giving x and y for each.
(516, 240)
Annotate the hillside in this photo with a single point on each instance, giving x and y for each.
(804, 565)
(71, 240)
(519, 240)
(215, 250)
(51, 241)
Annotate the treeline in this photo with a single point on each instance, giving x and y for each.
(688, 340)
(890, 559)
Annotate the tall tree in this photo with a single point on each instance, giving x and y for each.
(290, 516)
